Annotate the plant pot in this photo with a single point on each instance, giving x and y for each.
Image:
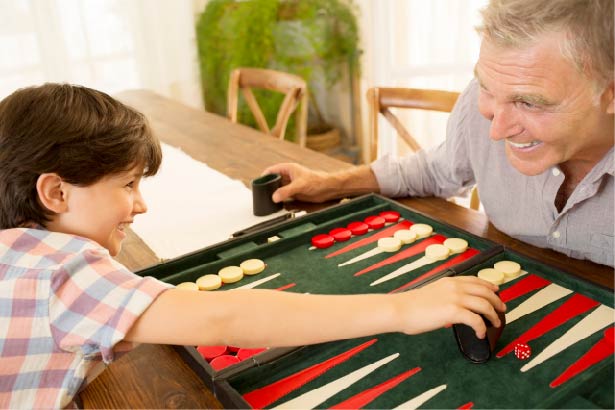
(324, 141)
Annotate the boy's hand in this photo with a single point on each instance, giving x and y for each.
(460, 299)
(299, 182)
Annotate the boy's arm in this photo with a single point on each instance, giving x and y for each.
(257, 318)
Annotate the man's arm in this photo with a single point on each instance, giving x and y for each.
(307, 185)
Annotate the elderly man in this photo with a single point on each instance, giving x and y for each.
(534, 131)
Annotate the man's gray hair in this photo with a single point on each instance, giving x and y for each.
(587, 24)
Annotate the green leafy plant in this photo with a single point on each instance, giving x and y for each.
(315, 39)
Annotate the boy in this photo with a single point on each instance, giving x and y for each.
(71, 160)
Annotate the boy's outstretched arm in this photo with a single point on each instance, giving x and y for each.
(257, 318)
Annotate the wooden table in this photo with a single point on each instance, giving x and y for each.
(154, 376)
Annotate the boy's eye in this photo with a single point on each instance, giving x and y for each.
(130, 184)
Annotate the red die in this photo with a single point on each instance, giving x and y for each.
(522, 351)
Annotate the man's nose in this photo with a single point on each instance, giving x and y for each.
(504, 122)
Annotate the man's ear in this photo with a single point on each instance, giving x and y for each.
(52, 192)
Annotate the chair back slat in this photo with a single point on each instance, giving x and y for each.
(294, 88)
(381, 99)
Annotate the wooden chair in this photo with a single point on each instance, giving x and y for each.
(382, 99)
(294, 88)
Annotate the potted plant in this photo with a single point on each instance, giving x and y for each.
(315, 39)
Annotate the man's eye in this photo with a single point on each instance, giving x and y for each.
(527, 105)
(130, 184)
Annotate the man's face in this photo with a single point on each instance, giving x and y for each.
(542, 107)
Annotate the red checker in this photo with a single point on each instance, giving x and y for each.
(341, 234)
(390, 216)
(211, 352)
(221, 362)
(358, 228)
(233, 349)
(522, 351)
(323, 241)
(375, 222)
(243, 354)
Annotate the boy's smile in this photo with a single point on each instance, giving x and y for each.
(101, 211)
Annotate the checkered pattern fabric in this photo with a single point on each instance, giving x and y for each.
(65, 306)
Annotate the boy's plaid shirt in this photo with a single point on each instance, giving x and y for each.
(65, 306)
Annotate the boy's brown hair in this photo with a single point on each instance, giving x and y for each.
(79, 133)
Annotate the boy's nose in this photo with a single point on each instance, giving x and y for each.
(139, 205)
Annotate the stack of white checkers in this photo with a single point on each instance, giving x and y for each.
(501, 272)
(228, 274)
(404, 237)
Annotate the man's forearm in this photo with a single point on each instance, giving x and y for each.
(351, 182)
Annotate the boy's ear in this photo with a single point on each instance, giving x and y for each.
(52, 192)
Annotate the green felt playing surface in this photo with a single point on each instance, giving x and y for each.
(307, 268)
(496, 384)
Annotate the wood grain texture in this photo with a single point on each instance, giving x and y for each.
(154, 376)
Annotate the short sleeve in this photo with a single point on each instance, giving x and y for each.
(95, 301)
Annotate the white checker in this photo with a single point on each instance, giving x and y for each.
(422, 230)
(389, 244)
(231, 274)
(252, 266)
(405, 236)
(456, 245)
(437, 252)
(491, 275)
(209, 282)
(510, 269)
(187, 286)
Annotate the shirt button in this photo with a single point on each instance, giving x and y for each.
(555, 172)
(556, 234)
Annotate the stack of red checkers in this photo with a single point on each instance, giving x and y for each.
(220, 357)
(324, 240)
(522, 351)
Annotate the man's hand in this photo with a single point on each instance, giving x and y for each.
(304, 184)
(301, 183)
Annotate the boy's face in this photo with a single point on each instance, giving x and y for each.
(102, 211)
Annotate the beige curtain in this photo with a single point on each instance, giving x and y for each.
(422, 44)
(110, 45)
